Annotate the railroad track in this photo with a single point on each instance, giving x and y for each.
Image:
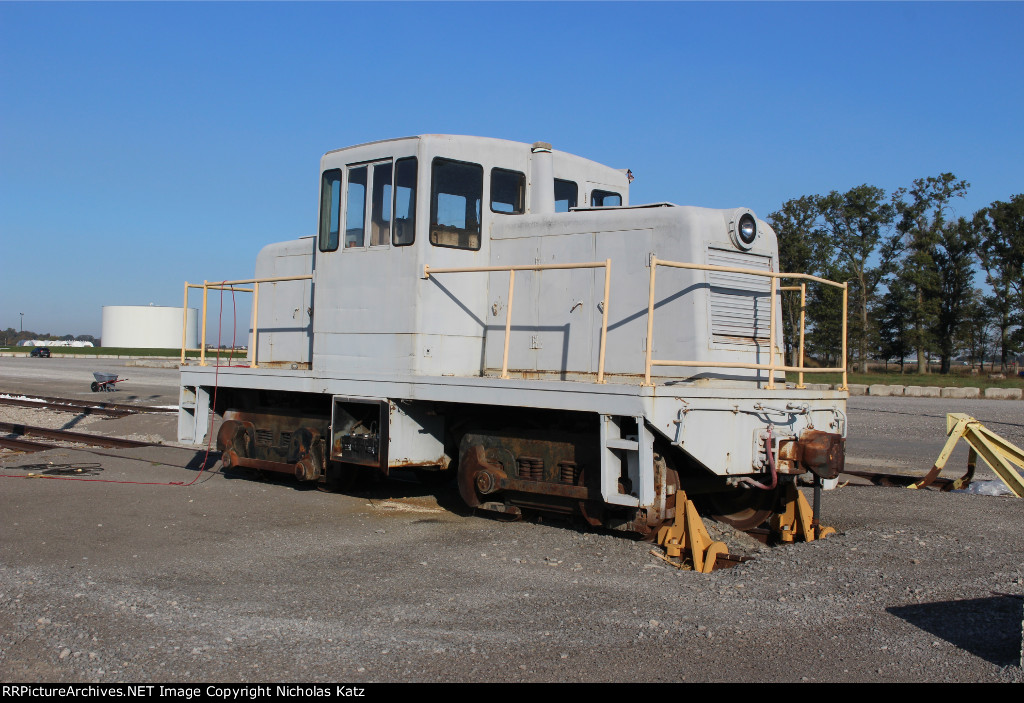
(93, 440)
(80, 407)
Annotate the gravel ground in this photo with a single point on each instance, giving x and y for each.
(236, 579)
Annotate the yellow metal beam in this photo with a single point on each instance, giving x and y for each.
(996, 451)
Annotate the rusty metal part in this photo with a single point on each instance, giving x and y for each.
(472, 462)
(822, 453)
(687, 534)
(787, 461)
(274, 435)
(567, 471)
(795, 521)
(66, 436)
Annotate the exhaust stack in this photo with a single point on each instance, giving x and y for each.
(542, 180)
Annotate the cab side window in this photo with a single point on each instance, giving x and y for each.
(456, 193)
(566, 195)
(355, 213)
(508, 191)
(604, 198)
(405, 202)
(380, 209)
(330, 209)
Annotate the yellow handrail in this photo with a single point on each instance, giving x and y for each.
(606, 265)
(771, 367)
(230, 285)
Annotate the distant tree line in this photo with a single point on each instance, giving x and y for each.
(10, 337)
(912, 266)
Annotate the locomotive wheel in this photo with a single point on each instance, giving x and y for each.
(743, 509)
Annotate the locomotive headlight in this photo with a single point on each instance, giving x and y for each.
(743, 229)
(748, 229)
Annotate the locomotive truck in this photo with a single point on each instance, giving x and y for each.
(499, 313)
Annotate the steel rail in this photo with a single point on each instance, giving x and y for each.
(67, 436)
(37, 400)
(65, 407)
(23, 445)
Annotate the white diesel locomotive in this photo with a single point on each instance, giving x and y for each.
(498, 312)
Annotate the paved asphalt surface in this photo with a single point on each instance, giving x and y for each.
(155, 571)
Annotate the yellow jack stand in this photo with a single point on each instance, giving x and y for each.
(688, 534)
(796, 521)
(996, 451)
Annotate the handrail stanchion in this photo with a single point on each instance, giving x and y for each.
(846, 290)
(255, 311)
(202, 347)
(604, 319)
(803, 311)
(508, 321)
(650, 323)
(184, 322)
(771, 333)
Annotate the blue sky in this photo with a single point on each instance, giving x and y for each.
(143, 144)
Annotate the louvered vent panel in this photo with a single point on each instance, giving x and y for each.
(740, 309)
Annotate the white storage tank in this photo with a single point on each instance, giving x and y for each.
(148, 327)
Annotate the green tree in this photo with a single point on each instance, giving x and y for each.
(922, 212)
(975, 330)
(953, 255)
(894, 322)
(857, 222)
(1001, 227)
(797, 227)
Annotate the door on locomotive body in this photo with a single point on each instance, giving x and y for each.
(364, 283)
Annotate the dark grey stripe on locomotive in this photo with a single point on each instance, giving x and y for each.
(739, 307)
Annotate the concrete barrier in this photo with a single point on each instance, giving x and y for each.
(858, 389)
(879, 390)
(154, 363)
(921, 391)
(1004, 393)
(967, 392)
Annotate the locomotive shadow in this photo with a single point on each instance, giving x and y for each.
(989, 628)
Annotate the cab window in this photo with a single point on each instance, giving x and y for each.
(405, 202)
(330, 209)
(508, 191)
(380, 209)
(604, 198)
(456, 193)
(566, 195)
(355, 204)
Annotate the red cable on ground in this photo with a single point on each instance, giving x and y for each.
(209, 430)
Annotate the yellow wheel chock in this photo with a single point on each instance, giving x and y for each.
(797, 521)
(688, 534)
(996, 451)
